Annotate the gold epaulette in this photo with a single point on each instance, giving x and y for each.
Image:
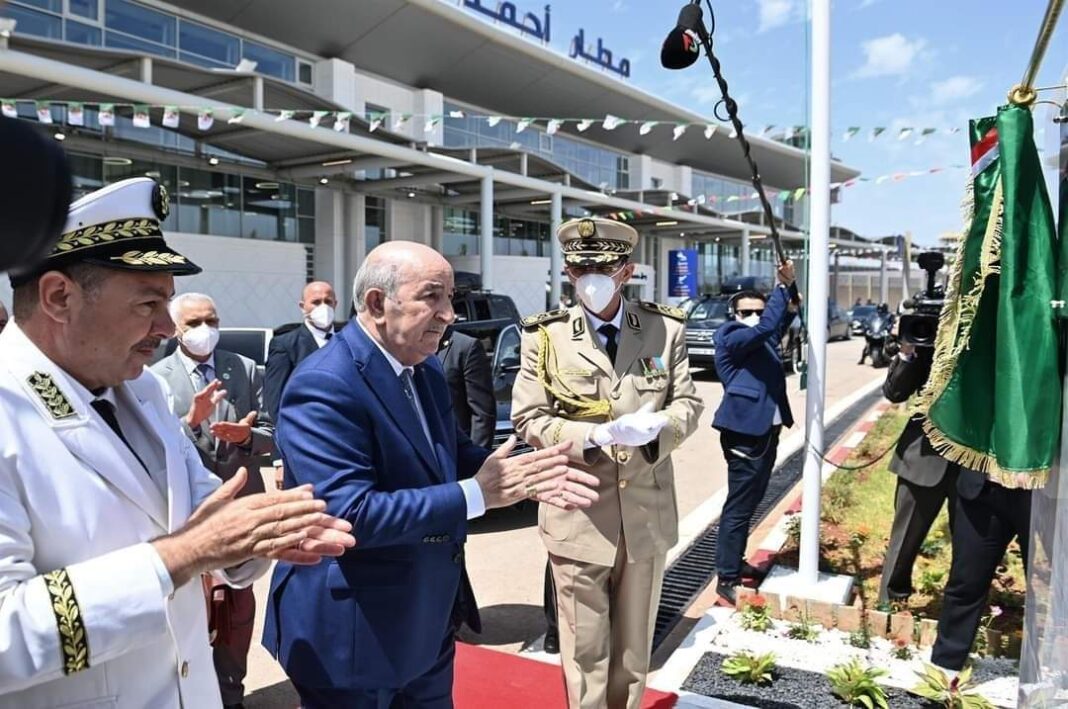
(541, 318)
(667, 310)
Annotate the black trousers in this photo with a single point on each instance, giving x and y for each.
(749, 463)
(983, 528)
(915, 509)
(552, 624)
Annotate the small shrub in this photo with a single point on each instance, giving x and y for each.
(748, 668)
(901, 649)
(793, 530)
(755, 614)
(982, 643)
(803, 629)
(931, 582)
(861, 638)
(933, 545)
(859, 536)
(855, 684)
(950, 693)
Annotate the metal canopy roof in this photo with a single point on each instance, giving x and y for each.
(434, 45)
(232, 87)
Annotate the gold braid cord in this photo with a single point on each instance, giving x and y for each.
(72, 641)
(584, 407)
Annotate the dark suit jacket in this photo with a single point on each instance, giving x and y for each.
(470, 377)
(244, 393)
(750, 366)
(915, 459)
(283, 355)
(377, 616)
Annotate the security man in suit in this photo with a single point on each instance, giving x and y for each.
(925, 480)
(469, 375)
(218, 397)
(318, 303)
(753, 411)
(612, 377)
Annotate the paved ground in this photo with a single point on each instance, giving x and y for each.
(506, 559)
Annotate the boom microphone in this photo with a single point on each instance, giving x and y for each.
(683, 44)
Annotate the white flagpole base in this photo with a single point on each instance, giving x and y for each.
(789, 583)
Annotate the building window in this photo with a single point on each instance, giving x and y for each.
(80, 33)
(132, 26)
(460, 235)
(204, 45)
(89, 9)
(304, 72)
(32, 22)
(270, 61)
(209, 202)
(270, 210)
(375, 222)
(623, 172)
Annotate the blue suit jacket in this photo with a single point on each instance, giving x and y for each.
(750, 366)
(377, 616)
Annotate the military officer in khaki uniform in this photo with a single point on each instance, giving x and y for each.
(611, 376)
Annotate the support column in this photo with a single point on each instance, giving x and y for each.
(884, 281)
(556, 256)
(743, 254)
(437, 228)
(485, 249)
(834, 288)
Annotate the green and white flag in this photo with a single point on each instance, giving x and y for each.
(106, 117)
(75, 114)
(141, 117)
(678, 131)
(850, 132)
(875, 133)
(523, 124)
(904, 133)
(431, 123)
(552, 126)
(171, 117)
(493, 120)
(402, 120)
(342, 121)
(206, 119)
(584, 125)
(44, 111)
(710, 130)
(282, 116)
(237, 115)
(317, 118)
(9, 109)
(612, 122)
(993, 399)
(646, 127)
(376, 122)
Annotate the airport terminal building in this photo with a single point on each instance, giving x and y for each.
(294, 141)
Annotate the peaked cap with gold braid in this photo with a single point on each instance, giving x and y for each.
(593, 241)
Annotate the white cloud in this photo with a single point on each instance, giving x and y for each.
(891, 55)
(775, 13)
(619, 6)
(954, 89)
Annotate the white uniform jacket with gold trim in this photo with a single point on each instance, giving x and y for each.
(564, 365)
(84, 621)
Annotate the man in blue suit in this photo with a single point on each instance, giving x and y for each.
(753, 411)
(367, 420)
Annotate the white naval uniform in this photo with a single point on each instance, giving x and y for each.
(73, 498)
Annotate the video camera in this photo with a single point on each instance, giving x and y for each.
(920, 327)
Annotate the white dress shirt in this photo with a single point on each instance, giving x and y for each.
(319, 335)
(596, 323)
(476, 503)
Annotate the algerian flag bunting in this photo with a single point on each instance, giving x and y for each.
(106, 117)
(523, 124)
(342, 121)
(552, 126)
(141, 117)
(993, 399)
(678, 132)
(584, 125)
(317, 118)
(171, 117)
(236, 115)
(612, 122)
(206, 119)
(75, 114)
(710, 130)
(9, 109)
(44, 111)
(282, 116)
(646, 127)
(850, 132)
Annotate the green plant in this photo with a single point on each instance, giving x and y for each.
(901, 649)
(855, 684)
(803, 629)
(931, 582)
(859, 536)
(981, 646)
(951, 693)
(933, 544)
(862, 637)
(793, 530)
(755, 614)
(748, 668)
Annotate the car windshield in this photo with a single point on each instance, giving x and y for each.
(863, 312)
(711, 309)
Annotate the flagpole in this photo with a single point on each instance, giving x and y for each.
(819, 239)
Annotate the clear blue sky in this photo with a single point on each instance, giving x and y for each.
(895, 63)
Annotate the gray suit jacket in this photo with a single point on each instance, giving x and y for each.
(244, 393)
(915, 459)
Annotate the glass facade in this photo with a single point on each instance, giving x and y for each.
(210, 202)
(599, 166)
(719, 262)
(721, 188)
(375, 222)
(511, 237)
(124, 24)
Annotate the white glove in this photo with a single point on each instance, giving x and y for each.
(634, 429)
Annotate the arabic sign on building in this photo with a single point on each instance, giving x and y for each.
(682, 273)
(541, 29)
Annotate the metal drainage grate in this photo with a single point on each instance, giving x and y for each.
(692, 571)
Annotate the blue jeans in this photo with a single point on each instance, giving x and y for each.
(749, 463)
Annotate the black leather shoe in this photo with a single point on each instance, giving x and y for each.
(234, 706)
(552, 644)
(726, 591)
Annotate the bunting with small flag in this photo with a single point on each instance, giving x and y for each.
(106, 115)
(850, 133)
(612, 122)
(679, 131)
(285, 116)
(710, 130)
(206, 119)
(9, 109)
(237, 115)
(75, 114)
(317, 118)
(376, 122)
(646, 127)
(141, 117)
(44, 111)
(401, 121)
(342, 120)
(171, 117)
(523, 124)
(552, 126)
(584, 125)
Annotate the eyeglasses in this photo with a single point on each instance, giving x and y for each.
(746, 313)
(604, 270)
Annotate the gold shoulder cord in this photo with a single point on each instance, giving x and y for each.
(584, 406)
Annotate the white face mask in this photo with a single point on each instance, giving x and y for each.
(322, 316)
(200, 341)
(596, 291)
(750, 320)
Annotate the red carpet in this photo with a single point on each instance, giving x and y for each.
(489, 679)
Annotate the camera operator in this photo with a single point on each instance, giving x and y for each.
(925, 481)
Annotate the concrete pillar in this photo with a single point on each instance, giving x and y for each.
(437, 228)
(145, 70)
(884, 281)
(743, 253)
(485, 249)
(330, 223)
(556, 256)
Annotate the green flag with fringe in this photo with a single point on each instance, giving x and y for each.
(993, 400)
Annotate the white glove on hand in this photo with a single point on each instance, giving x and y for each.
(634, 429)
